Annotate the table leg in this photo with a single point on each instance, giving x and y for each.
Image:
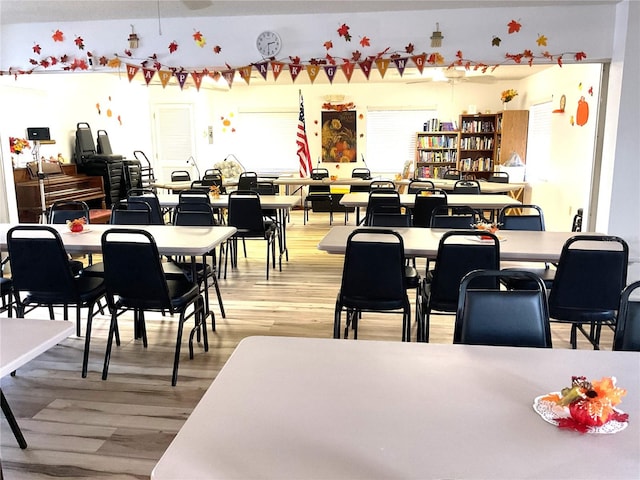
(282, 220)
(15, 428)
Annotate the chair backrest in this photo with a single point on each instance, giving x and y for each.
(136, 196)
(388, 198)
(39, 264)
(196, 199)
(627, 333)
(424, 204)
(266, 188)
(498, 177)
(452, 174)
(521, 217)
(245, 211)
(419, 184)
(319, 173)
(516, 318)
(466, 186)
(385, 184)
(211, 179)
(132, 172)
(121, 214)
(212, 171)
(388, 216)
(180, 176)
(460, 217)
(247, 181)
(374, 284)
(132, 269)
(460, 252)
(590, 277)
(64, 210)
(361, 173)
(194, 214)
(576, 225)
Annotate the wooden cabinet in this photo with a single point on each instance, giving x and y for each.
(513, 127)
(435, 153)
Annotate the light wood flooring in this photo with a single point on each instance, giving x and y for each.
(119, 428)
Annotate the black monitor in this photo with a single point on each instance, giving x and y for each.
(38, 134)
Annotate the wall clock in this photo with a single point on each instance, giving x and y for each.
(269, 44)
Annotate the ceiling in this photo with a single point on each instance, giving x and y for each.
(36, 11)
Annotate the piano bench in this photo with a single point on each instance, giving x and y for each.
(99, 215)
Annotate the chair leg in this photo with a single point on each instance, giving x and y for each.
(87, 340)
(107, 355)
(176, 359)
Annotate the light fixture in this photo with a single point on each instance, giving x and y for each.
(133, 39)
(436, 37)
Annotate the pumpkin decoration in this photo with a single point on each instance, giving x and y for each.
(582, 114)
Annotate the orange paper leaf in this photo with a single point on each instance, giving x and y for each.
(57, 36)
(328, 44)
(514, 26)
(79, 43)
(364, 41)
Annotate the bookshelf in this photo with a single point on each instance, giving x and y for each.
(477, 145)
(436, 151)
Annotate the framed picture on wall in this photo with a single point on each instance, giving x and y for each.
(339, 136)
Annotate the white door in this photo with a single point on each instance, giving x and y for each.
(174, 139)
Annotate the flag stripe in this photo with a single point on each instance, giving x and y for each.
(303, 145)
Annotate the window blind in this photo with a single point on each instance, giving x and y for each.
(539, 141)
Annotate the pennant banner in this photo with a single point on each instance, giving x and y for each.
(148, 74)
(294, 70)
(330, 70)
(312, 71)
(276, 68)
(245, 73)
(182, 78)
(197, 79)
(347, 69)
(419, 60)
(401, 64)
(131, 71)
(382, 64)
(165, 76)
(365, 66)
(263, 68)
(228, 76)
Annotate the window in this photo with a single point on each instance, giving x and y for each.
(539, 142)
(391, 137)
(266, 141)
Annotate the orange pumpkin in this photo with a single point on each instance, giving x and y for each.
(582, 115)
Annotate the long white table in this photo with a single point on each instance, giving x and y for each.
(492, 202)
(338, 409)
(515, 245)
(22, 340)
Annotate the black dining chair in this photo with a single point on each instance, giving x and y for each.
(426, 200)
(318, 194)
(419, 184)
(6, 289)
(382, 184)
(137, 196)
(466, 187)
(627, 331)
(372, 286)
(386, 198)
(41, 276)
(180, 176)
(363, 173)
(452, 174)
(459, 218)
(459, 252)
(590, 277)
(135, 281)
(494, 316)
(498, 177)
(247, 181)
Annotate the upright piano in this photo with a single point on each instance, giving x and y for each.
(61, 182)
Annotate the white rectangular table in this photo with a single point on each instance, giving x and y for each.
(341, 409)
(516, 245)
(22, 340)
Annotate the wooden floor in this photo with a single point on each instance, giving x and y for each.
(119, 428)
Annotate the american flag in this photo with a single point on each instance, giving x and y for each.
(303, 146)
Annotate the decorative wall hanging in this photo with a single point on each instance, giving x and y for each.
(339, 137)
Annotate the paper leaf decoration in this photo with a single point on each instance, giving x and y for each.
(409, 48)
(79, 43)
(199, 39)
(514, 27)
(495, 41)
(541, 41)
(217, 49)
(114, 62)
(173, 46)
(365, 42)
(343, 31)
(37, 49)
(57, 36)
(580, 56)
(328, 45)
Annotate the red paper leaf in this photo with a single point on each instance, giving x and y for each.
(459, 54)
(343, 31)
(103, 61)
(590, 91)
(330, 59)
(295, 60)
(79, 43)
(217, 49)
(37, 49)
(64, 58)
(44, 63)
(57, 36)
(365, 42)
(33, 61)
(527, 54)
(409, 48)
(54, 60)
(580, 56)
(127, 53)
(356, 55)
(197, 36)
(559, 60)
(157, 65)
(173, 46)
(328, 44)
(514, 26)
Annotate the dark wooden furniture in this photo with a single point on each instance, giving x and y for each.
(66, 185)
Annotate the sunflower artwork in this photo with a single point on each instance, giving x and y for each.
(339, 137)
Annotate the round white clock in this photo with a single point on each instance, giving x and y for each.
(268, 44)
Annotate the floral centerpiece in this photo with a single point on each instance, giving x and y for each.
(229, 168)
(214, 190)
(489, 227)
(507, 95)
(18, 145)
(585, 406)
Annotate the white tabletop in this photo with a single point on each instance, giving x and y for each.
(171, 240)
(515, 245)
(186, 185)
(170, 200)
(23, 339)
(489, 201)
(301, 408)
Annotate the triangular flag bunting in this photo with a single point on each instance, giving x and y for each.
(365, 66)
(148, 74)
(312, 71)
(263, 68)
(131, 71)
(197, 79)
(165, 76)
(401, 64)
(294, 70)
(276, 68)
(228, 76)
(182, 78)
(330, 70)
(382, 64)
(419, 61)
(245, 73)
(347, 69)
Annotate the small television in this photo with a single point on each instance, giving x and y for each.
(38, 134)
